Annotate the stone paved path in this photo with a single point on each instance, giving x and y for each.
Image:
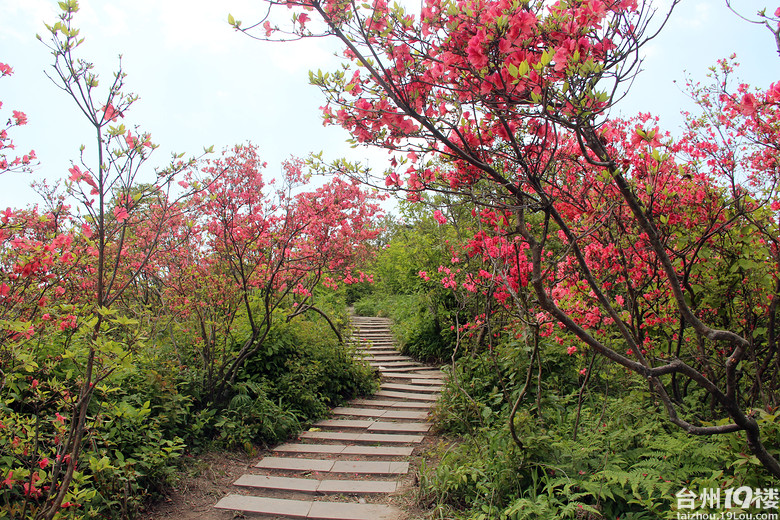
(346, 467)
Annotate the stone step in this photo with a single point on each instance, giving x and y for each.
(388, 358)
(439, 383)
(384, 403)
(419, 369)
(407, 395)
(373, 412)
(308, 485)
(343, 449)
(432, 379)
(369, 438)
(368, 467)
(392, 364)
(399, 427)
(369, 325)
(343, 423)
(411, 388)
(375, 426)
(316, 510)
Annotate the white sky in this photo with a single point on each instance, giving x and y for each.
(203, 84)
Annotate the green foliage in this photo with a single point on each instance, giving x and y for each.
(129, 453)
(407, 289)
(419, 332)
(309, 369)
(150, 413)
(626, 460)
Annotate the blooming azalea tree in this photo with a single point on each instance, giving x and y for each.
(18, 118)
(66, 276)
(256, 248)
(609, 224)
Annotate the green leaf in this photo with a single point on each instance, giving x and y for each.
(546, 58)
(231, 20)
(522, 69)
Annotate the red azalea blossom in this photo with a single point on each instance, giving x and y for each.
(20, 118)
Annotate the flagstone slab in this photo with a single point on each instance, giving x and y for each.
(381, 451)
(404, 414)
(379, 413)
(406, 395)
(357, 487)
(359, 412)
(429, 370)
(343, 423)
(411, 388)
(436, 383)
(390, 437)
(414, 375)
(363, 437)
(343, 449)
(334, 449)
(391, 364)
(415, 370)
(332, 436)
(328, 486)
(384, 403)
(348, 511)
(300, 485)
(292, 464)
(319, 510)
(266, 506)
(370, 467)
(399, 427)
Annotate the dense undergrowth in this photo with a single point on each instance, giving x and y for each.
(150, 416)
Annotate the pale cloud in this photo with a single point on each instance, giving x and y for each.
(32, 13)
(294, 57)
(702, 15)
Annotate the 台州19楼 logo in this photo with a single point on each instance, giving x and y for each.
(742, 503)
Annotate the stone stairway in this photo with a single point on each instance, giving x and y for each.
(348, 467)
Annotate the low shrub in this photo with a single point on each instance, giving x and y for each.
(625, 460)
